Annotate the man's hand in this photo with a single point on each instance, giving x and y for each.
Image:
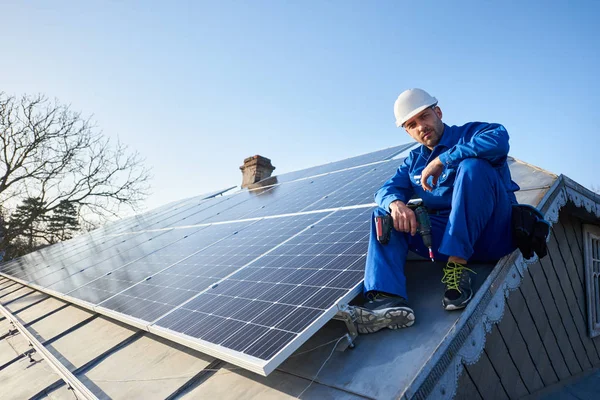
(434, 168)
(404, 218)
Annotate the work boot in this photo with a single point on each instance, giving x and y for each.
(458, 286)
(383, 311)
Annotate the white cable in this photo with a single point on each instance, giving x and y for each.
(314, 348)
(319, 371)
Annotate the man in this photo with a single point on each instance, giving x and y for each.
(461, 174)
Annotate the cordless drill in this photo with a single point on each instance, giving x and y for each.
(384, 224)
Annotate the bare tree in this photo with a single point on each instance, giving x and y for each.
(57, 156)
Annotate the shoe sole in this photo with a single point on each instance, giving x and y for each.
(452, 307)
(393, 318)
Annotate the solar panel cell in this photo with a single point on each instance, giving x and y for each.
(324, 298)
(180, 320)
(269, 344)
(241, 339)
(222, 331)
(272, 315)
(208, 323)
(298, 319)
(346, 279)
(299, 295)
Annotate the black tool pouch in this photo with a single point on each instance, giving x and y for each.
(530, 230)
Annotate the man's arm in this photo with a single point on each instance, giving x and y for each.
(481, 140)
(393, 196)
(397, 187)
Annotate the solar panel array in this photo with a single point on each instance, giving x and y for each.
(246, 277)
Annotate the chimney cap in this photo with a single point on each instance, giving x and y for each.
(255, 168)
(257, 159)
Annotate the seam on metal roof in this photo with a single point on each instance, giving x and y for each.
(197, 379)
(18, 298)
(35, 303)
(89, 365)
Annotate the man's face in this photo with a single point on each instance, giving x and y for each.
(426, 127)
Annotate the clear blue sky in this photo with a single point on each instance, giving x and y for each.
(196, 87)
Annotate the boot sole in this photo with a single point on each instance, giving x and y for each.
(368, 321)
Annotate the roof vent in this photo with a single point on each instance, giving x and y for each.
(255, 168)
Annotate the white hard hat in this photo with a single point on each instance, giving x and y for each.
(410, 103)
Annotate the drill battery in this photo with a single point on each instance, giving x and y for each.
(385, 223)
(383, 226)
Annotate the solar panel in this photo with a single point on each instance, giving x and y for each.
(195, 273)
(173, 216)
(90, 268)
(41, 262)
(246, 277)
(359, 190)
(146, 267)
(228, 204)
(368, 158)
(60, 268)
(291, 197)
(266, 306)
(52, 258)
(140, 221)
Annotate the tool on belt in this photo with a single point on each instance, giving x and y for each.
(385, 223)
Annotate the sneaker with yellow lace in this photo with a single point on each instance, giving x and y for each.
(458, 286)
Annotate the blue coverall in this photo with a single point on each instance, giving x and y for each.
(470, 207)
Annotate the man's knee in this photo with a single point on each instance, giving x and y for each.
(476, 171)
(474, 165)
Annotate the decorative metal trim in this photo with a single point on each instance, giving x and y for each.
(581, 200)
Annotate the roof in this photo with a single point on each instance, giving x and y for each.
(411, 362)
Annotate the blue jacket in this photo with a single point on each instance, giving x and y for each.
(475, 139)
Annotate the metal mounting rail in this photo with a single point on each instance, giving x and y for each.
(72, 382)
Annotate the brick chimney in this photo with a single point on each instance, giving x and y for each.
(255, 168)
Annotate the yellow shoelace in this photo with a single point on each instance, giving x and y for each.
(452, 275)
